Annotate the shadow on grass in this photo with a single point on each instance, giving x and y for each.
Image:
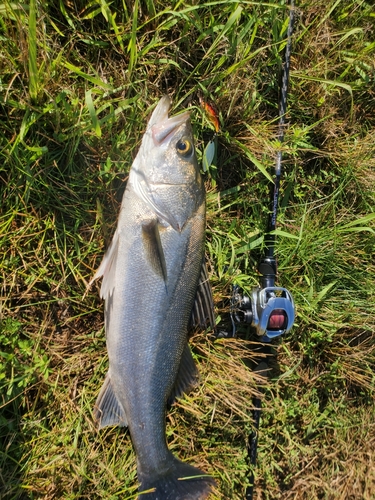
(12, 446)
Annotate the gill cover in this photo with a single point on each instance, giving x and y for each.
(165, 173)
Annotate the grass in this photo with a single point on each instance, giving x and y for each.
(78, 81)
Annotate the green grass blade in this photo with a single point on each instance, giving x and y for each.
(254, 160)
(32, 40)
(322, 294)
(358, 225)
(9, 10)
(93, 79)
(285, 234)
(362, 220)
(106, 11)
(234, 17)
(66, 15)
(132, 47)
(333, 83)
(93, 116)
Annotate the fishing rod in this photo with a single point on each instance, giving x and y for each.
(270, 309)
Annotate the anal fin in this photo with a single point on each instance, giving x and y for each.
(187, 376)
(108, 410)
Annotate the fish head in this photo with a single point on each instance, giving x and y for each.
(167, 151)
(165, 173)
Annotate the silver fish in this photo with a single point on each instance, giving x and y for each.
(151, 273)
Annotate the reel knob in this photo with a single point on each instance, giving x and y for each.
(277, 320)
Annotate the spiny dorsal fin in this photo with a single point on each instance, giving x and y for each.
(108, 410)
(187, 376)
(202, 314)
(154, 248)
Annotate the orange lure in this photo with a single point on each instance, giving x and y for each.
(212, 113)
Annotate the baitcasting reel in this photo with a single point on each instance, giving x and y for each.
(269, 310)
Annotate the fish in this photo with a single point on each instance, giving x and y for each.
(154, 283)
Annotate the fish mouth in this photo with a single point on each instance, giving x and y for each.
(162, 127)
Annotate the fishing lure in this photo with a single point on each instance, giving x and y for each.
(211, 112)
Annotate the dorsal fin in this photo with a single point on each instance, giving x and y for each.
(202, 314)
(154, 248)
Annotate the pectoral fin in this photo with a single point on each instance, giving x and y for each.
(202, 314)
(187, 376)
(108, 410)
(154, 248)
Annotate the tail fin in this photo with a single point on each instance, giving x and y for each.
(181, 482)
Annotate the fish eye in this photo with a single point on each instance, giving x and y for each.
(184, 147)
